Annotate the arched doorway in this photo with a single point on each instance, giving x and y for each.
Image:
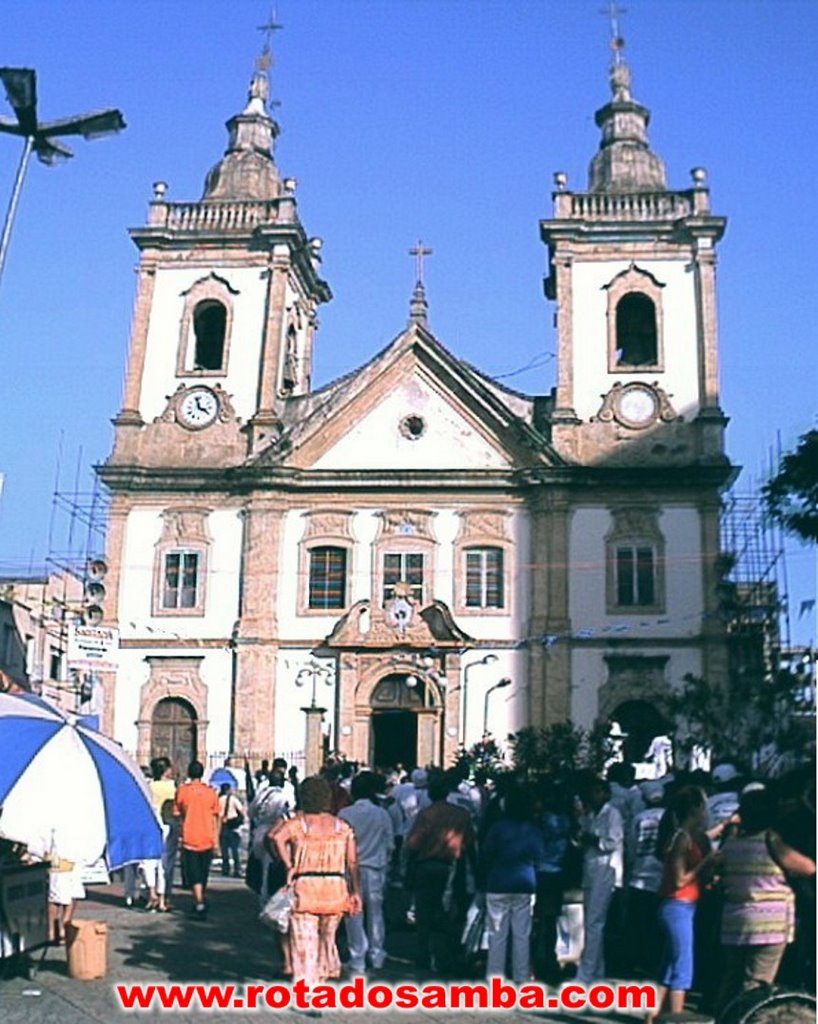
(641, 721)
(173, 732)
(399, 703)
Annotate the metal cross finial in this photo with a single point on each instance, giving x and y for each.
(420, 252)
(617, 43)
(268, 30)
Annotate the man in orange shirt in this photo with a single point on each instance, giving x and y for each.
(198, 807)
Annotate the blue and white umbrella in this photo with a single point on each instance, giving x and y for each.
(219, 776)
(66, 788)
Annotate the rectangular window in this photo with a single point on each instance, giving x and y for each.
(403, 567)
(55, 664)
(635, 576)
(484, 578)
(328, 577)
(7, 648)
(180, 588)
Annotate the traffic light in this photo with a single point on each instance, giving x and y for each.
(94, 592)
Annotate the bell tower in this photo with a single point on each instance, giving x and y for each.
(225, 313)
(632, 271)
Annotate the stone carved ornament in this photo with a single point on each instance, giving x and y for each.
(483, 525)
(411, 523)
(607, 411)
(185, 526)
(634, 522)
(328, 524)
(227, 414)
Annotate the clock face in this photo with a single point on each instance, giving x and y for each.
(637, 405)
(198, 409)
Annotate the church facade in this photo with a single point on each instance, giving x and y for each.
(417, 550)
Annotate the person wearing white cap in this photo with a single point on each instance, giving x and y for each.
(602, 837)
(643, 871)
(723, 804)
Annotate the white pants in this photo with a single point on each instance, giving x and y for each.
(510, 911)
(154, 873)
(597, 893)
(366, 932)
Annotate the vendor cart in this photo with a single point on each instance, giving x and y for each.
(23, 911)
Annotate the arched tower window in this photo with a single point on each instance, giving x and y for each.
(636, 334)
(209, 328)
(289, 373)
(206, 326)
(635, 322)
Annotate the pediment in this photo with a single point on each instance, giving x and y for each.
(365, 625)
(414, 407)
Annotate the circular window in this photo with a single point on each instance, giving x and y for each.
(413, 427)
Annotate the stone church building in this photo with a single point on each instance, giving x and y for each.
(415, 548)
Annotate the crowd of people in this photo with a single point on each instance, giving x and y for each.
(692, 880)
(491, 864)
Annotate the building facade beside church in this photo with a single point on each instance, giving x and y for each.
(395, 544)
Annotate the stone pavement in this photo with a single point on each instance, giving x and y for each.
(230, 946)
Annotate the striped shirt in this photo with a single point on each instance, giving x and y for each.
(759, 905)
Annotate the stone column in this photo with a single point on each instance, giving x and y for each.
(114, 556)
(139, 340)
(550, 668)
(264, 421)
(314, 744)
(714, 646)
(257, 629)
(565, 334)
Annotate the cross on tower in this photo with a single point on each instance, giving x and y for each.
(269, 29)
(617, 43)
(420, 252)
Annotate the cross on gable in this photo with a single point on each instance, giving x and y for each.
(420, 252)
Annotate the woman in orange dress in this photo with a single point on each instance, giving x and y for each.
(319, 853)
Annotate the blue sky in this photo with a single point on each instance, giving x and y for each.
(404, 119)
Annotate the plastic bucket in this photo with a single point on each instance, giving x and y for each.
(86, 944)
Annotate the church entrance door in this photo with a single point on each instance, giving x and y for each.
(173, 732)
(394, 738)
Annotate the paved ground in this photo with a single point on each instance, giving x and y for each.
(229, 947)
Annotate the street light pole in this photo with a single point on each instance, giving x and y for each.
(487, 659)
(315, 670)
(489, 692)
(41, 137)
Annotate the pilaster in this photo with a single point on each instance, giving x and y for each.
(714, 647)
(257, 629)
(129, 413)
(550, 666)
(265, 420)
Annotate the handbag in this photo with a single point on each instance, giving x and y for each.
(475, 937)
(278, 910)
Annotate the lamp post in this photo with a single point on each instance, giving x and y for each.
(487, 659)
(313, 743)
(314, 670)
(41, 136)
(497, 686)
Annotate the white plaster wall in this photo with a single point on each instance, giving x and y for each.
(164, 335)
(451, 440)
(589, 672)
(215, 672)
(143, 530)
(683, 576)
(365, 524)
(290, 698)
(504, 704)
(131, 676)
(590, 335)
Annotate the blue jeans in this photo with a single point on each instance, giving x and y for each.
(676, 920)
